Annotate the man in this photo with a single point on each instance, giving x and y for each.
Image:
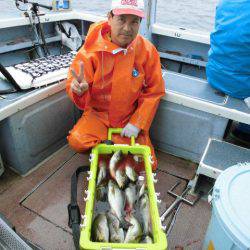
(116, 79)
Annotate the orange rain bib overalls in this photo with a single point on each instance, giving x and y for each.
(125, 85)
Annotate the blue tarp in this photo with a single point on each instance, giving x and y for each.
(228, 67)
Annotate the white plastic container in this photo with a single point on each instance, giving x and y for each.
(229, 227)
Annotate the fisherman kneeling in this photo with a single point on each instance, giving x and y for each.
(116, 79)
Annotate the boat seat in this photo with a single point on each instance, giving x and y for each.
(197, 93)
(17, 101)
(218, 156)
(190, 114)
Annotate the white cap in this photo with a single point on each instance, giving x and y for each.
(133, 7)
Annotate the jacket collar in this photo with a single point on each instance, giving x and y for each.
(97, 40)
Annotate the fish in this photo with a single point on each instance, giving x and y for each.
(121, 178)
(101, 192)
(147, 239)
(134, 232)
(100, 229)
(131, 197)
(144, 210)
(116, 233)
(138, 158)
(130, 166)
(139, 163)
(130, 172)
(102, 172)
(116, 157)
(116, 200)
(142, 190)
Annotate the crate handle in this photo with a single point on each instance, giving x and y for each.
(118, 131)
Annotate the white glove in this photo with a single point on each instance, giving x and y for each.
(130, 130)
(247, 101)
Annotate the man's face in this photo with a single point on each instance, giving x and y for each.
(124, 28)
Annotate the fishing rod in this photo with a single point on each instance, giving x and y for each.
(33, 11)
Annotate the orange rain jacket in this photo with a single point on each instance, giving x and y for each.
(125, 85)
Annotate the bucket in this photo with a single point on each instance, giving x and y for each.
(229, 227)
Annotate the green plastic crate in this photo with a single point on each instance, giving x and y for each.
(159, 238)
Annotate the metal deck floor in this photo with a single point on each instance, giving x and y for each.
(37, 204)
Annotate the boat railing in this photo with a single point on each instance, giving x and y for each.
(163, 36)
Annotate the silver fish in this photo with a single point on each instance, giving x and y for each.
(113, 161)
(134, 232)
(130, 194)
(121, 178)
(116, 233)
(142, 190)
(144, 209)
(101, 192)
(102, 172)
(117, 202)
(100, 230)
(147, 239)
(138, 158)
(130, 172)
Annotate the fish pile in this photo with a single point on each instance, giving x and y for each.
(127, 216)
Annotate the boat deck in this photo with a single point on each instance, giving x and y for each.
(37, 204)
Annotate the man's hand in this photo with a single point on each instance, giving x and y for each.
(79, 85)
(130, 130)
